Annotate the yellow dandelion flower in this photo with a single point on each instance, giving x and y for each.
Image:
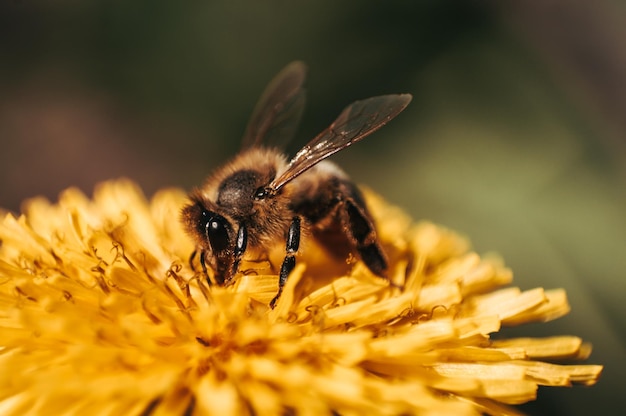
(100, 314)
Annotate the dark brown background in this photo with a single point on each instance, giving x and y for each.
(516, 135)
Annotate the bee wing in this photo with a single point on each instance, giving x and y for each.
(279, 110)
(355, 122)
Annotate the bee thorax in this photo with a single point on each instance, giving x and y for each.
(236, 192)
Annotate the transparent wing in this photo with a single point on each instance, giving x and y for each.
(279, 110)
(355, 122)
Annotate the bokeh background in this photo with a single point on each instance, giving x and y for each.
(516, 136)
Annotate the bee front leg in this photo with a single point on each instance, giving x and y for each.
(203, 264)
(293, 242)
(192, 258)
(202, 255)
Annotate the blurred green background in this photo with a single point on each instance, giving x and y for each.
(516, 136)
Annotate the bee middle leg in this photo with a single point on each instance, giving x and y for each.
(289, 263)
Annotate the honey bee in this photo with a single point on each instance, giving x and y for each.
(260, 197)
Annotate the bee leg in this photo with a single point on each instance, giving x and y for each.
(342, 223)
(293, 242)
(192, 258)
(363, 234)
(203, 264)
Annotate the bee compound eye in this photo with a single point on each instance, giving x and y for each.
(217, 233)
